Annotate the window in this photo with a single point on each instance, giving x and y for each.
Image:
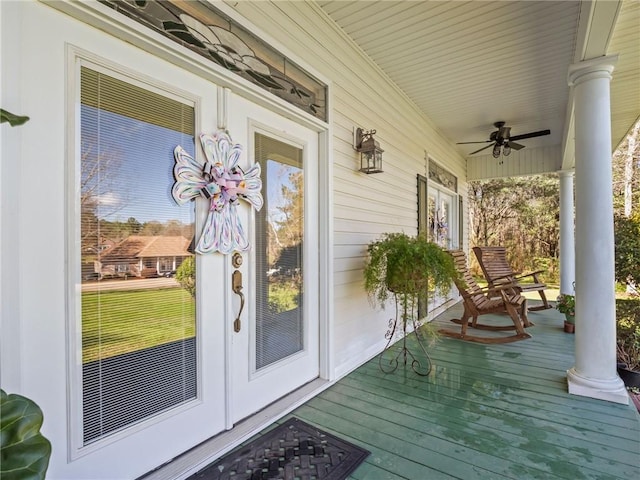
(442, 177)
(204, 29)
(438, 219)
(279, 251)
(438, 207)
(138, 336)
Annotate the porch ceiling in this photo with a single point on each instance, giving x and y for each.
(470, 64)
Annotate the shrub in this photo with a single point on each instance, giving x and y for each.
(627, 240)
(628, 332)
(283, 297)
(186, 275)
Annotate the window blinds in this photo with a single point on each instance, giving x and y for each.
(279, 251)
(138, 322)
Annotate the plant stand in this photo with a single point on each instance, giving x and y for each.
(404, 354)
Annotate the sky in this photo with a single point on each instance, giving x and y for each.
(139, 177)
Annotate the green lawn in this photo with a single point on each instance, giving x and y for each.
(119, 322)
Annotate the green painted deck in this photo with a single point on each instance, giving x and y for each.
(484, 412)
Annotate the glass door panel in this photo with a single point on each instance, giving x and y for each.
(279, 253)
(138, 329)
(277, 348)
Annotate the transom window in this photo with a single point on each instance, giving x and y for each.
(443, 177)
(205, 30)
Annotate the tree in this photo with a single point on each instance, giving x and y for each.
(287, 228)
(626, 190)
(186, 275)
(626, 173)
(152, 228)
(134, 225)
(98, 181)
(521, 214)
(627, 240)
(290, 226)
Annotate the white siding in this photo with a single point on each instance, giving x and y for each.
(529, 161)
(365, 206)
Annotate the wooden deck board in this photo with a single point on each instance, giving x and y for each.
(484, 412)
(466, 419)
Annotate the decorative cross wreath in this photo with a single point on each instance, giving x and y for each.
(222, 182)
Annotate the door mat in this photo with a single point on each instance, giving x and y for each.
(293, 450)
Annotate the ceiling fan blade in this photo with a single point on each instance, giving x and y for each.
(481, 141)
(541, 133)
(483, 148)
(514, 145)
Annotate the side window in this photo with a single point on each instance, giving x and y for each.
(138, 323)
(438, 213)
(422, 204)
(442, 207)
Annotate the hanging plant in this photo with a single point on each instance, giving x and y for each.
(407, 269)
(406, 266)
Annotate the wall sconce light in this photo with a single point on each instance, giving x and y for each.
(370, 151)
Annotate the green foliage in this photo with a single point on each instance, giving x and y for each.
(186, 275)
(566, 304)
(521, 214)
(627, 240)
(12, 119)
(628, 332)
(407, 267)
(24, 452)
(283, 297)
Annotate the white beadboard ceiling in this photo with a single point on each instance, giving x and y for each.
(470, 64)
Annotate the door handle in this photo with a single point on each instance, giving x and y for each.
(236, 286)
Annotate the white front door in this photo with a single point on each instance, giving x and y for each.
(153, 339)
(274, 348)
(148, 342)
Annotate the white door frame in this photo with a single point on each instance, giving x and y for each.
(107, 20)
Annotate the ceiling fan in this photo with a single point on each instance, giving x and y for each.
(502, 138)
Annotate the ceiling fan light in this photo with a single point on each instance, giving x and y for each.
(506, 150)
(496, 151)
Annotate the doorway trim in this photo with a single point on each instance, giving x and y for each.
(125, 29)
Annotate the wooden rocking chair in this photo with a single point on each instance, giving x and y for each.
(477, 302)
(497, 271)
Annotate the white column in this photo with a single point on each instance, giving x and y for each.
(594, 374)
(567, 237)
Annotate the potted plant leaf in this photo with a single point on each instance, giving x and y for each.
(566, 304)
(24, 452)
(11, 118)
(406, 268)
